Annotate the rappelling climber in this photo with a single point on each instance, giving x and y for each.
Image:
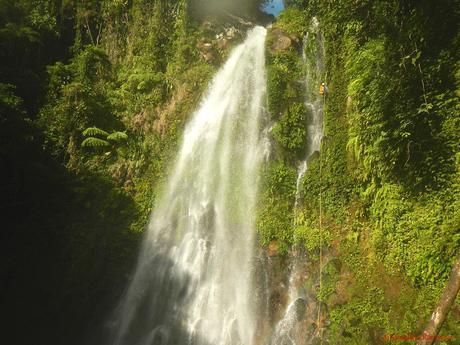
(323, 90)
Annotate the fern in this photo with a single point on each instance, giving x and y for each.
(94, 131)
(117, 136)
(95, 142)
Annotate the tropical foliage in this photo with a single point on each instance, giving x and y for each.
(387, 179)
(93, 97)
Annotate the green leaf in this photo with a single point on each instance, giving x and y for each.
(415, 58)
(94, 142)
(117, 136)
(94, 131)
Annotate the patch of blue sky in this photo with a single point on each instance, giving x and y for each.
(273, 7)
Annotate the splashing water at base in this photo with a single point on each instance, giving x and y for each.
(193, 282)
(291, 329)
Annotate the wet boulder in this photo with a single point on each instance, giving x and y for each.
(281, 41)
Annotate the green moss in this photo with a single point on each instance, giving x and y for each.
(292, 21)
(274, 211)
(307, 231)
(386, 174)
(290, 132)
(284, 74)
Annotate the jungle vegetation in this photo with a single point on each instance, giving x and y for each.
(93, 97)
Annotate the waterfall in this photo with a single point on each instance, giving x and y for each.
(193, 280)
(313, 58)
(292, 328)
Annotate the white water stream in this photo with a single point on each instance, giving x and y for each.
(193, 281)
(291, 330)
(313, 58)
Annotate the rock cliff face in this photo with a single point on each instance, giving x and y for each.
(281, 41)
(219, 37)
(367, 216)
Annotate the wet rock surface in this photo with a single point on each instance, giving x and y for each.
(219, 37)
(281, 41)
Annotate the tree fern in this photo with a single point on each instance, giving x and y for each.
(94, 131)
(117, 136)
(95, 142)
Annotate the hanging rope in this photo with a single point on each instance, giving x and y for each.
(320, 248)
(320, 328)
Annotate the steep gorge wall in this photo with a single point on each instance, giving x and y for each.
(388, 170)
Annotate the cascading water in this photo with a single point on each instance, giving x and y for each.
(193, 281)
(291, 329)
(313, 58)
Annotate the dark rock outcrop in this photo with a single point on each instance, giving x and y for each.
(281, 41)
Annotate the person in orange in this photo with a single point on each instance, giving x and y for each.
(323, 89)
